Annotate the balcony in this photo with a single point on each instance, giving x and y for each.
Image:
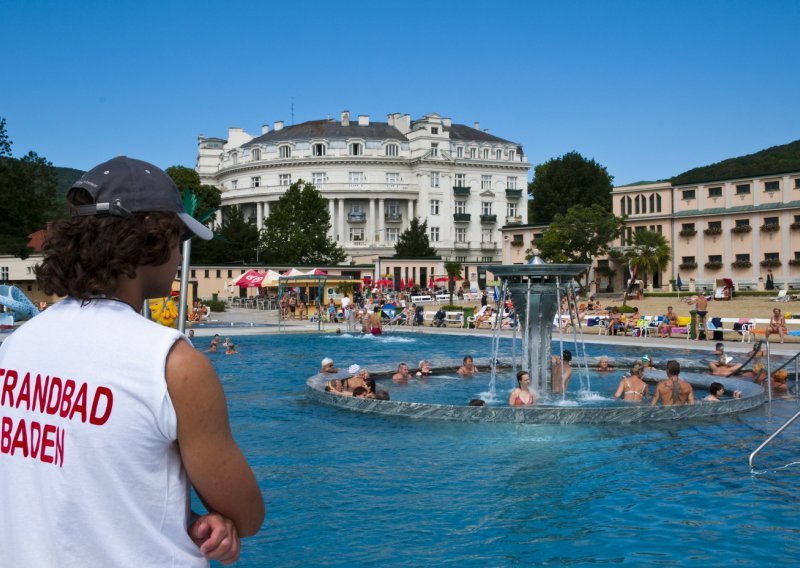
(489, 219)
(356, 217)
(393, 217)
(460, 190)
(462, 217)
(514, 220)
(358, 244)
(488, 245)
(513, 193)
(461, 245)
(517, 243)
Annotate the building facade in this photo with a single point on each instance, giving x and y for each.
(377, 176)
(736, 228)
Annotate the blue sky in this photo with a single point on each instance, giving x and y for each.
(648, 89)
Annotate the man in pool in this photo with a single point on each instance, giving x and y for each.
(724, 366)
(327, 366)
(468, 368)
(403, 374)
(673, 390)
(141, 414)
(561, 372)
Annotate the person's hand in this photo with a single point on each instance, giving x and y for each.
(737, 394)
(217, 538)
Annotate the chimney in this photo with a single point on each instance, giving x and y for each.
(477, 126)
(278, 125)
(390, 119)
(345, 118)
(363, 120)
(486, 130)
(446, 122)
(264, 128)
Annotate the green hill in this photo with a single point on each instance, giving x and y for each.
(66, 177)
(775, 160)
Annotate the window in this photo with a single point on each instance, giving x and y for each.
(234, 183)
(512, 155)
(486, 182)
(193, 273)
(356, 208)
(461, 234)
(235, 158)
(486, 208)
(460, 153)
(285, 180)
(688, 194)
(230, 274)
(391, 234)
(461, 259)
(486, 235)
(392, 179)
(255, 155)
(629, 201)
(356, 179)
(538, 236)
(461, 206)
(392, 150)
(715, 225)
(511, 209)
(658, 203)
(356, 149)
(742, 222)
(772, 256)
(687, 227)
(205, 274)
(652, 202)
(687, 260)
(255, 181)
(318, 150)
(797, 183)
(434, 130)
(715, 258)
(715, 191)
(498, 154)
(434, 179)
(772, 186)
(771, 221)
(318, 179)
(511, 182)
(487, 259)
(636, 202)
(285, 151)
(434, 234)
(434, 206)
(472, 152)
(461, 180)
(393, 208)
(434, 150)
(742, 188)
(486, 153)
(356, 234)
(742, 258)
(3, 273)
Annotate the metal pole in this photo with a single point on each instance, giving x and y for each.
(769, 376)
(561, 336)
(187, 251)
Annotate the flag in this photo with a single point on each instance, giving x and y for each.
(680, 284)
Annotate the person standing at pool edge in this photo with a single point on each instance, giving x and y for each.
(140, 416)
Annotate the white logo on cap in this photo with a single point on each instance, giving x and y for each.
(147, 171)
(105, 173)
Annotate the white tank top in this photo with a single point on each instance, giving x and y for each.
(90, 473)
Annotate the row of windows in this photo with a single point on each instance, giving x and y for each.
(627, 234)
(394, 208)
(357, 179)
(687, 261)
(357, 234)
(741, 189)
(716, 226)
(486, 154)
(638, 204)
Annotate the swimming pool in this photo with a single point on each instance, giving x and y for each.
(347, 489)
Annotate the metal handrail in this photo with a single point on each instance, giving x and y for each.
(768, 440)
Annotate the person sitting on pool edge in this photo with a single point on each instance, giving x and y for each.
(673, 390)
(327, 366)
(522, 395)
(633, 388)
(468, 368)
(723, 367)
(561, 372)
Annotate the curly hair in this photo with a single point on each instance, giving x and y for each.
(85, 256)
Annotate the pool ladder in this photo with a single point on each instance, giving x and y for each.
(796, 360)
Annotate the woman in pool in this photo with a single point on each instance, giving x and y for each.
(603, 364)
(522, 395)
(468, 369)
(633, 387)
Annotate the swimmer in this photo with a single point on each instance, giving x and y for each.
(633, 387)
(716, 390)
(724, 367)
(673, 390)
(477, 402)
(327, 366)
(191, 334)
(424, 369)
(522, 395)
(603, 364)
(231, 350)
(402, 374)
(468, 368)
(561, 374)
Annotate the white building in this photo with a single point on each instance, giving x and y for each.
(376, 176)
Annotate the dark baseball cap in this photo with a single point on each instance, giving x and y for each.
(123, 186)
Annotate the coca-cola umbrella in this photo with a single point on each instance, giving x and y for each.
(441, 279)
(250, 279)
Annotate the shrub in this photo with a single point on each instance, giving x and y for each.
(713, 231)
(741, 229)
(713, 265)
(215, 305)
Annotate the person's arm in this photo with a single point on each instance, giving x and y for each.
(511, 397)
(620, 389)
(215, 464)
(691, 395)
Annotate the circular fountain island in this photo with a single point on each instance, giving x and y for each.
(536, 292)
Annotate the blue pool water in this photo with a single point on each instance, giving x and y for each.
(349, 489)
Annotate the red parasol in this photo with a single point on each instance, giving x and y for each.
(250, 279)
(441, 279)
(402, 284)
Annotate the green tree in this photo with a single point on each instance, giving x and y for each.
(579, 236)
(209, 197)
(453, 270)
(566, 181)
(650, 253)
(414, 242)
(296, 231)
(236, 240)
(27, 196)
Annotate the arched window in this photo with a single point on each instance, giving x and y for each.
(392, 150)
(658, 202)
(255, 155)
(622, 205)
(636, 204)
(630, 204)
(644, 204)
(285, 151)
(234, 158)
(652, 203)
